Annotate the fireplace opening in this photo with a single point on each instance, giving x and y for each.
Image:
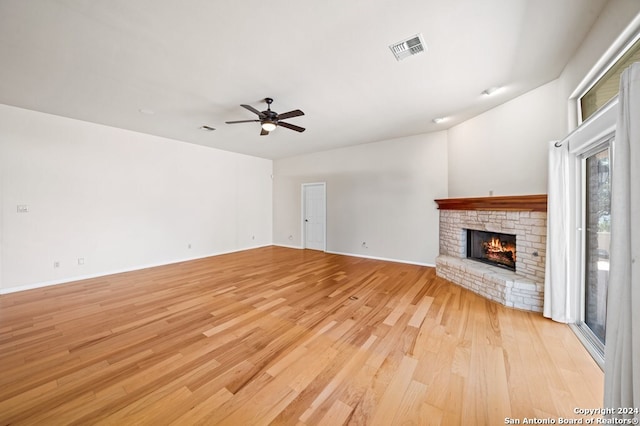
(494, 248)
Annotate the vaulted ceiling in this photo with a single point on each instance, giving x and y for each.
(168, 67)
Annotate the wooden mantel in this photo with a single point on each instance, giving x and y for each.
(533, 203)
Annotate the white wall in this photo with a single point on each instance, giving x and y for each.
(119, 199)
(380, 193)
(596, 50)
(504, 150)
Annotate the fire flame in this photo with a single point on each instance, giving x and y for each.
(495, 247)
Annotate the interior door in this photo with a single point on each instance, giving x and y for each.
(314, 215)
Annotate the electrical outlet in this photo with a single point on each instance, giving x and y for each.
(81, 261)
(23, 208)
(56, 264)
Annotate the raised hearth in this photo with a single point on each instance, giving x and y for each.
(523, 217)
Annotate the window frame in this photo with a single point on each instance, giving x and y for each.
(600, 76)
(607, 61)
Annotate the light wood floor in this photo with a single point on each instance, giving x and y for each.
(283, 336)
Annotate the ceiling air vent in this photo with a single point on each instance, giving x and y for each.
(408, 47)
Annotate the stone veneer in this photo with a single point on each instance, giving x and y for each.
(521, 289)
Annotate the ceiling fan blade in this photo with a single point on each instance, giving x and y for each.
(294, 113)
(242, 121)
(253, 110)
(263, 132)
(291, 126)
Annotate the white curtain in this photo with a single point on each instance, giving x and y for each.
(622, 349)
(559, 303)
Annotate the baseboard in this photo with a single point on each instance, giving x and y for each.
(153, 265)
(386, 259)
(287, 246)
(118, 271)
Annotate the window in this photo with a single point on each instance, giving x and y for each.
(592, 152)
(607, 86)
(596, 227)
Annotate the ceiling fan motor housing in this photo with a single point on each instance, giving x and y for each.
(270, 119)
(270, 115)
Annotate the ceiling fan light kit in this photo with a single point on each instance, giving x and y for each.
(269, 120)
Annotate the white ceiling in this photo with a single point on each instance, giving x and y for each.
(193, 62)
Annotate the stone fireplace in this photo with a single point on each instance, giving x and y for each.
(495, 246)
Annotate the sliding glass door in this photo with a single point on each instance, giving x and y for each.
(596, 242)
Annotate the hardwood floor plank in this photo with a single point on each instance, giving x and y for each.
(421, 311)
(336, 415)
(282, 336)
(410, 405)
(200, 411)
(337, 378)
(11, 408)
(394, 393)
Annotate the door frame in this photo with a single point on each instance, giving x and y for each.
(303, 232)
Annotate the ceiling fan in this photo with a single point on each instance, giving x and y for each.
(269, 120)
